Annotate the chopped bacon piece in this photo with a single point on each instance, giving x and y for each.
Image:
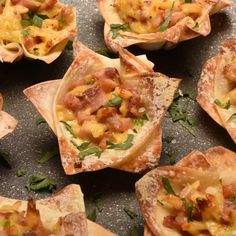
(103, 143)
(105, 112)
(32, 41)
(118, 124)
(229, 190)
(81, 117)
(31, 5)
(48, 4)
(170, 222)
(134, 105)
(73, 102)
(94, 98)
(107, 78)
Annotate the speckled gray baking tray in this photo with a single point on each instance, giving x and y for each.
(29, 141)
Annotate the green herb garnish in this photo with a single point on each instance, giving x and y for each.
(187, 1)
(89, 81)
(20, 172)
(25, 32)
(40, 182)
(166, 23)
(49, 155)
(141, 120)
(167, 185)
(82, 146)
(40, 120)
(37, 21)
(114, 102)
(97, 198)
(90, 151)
(5, 159)
(189, 208)
(115, 28)
(68, 128)
(69, 45)
(92, 215)
(196, 26)
(105, 52)
(219, 104)
(122, 146)
(26, 22)
(130, 213)
(172, 158)
(133, 231)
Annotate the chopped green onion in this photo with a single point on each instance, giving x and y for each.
(189, 208)
(69, 45)
(219, 104)
(133, 231)
(91, 151)
(114, 102)
(37, 21)
(115, 28)
(166, 23)
(68, 128)
(49, 155)
(25, 32)
(141, 120)
(26, 22)
(21, 172)
(82, 146)
(92, 215)
(97, 198)
(40, 120)
(167, 185)
(122, 146)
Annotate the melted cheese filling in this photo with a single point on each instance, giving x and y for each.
(19, 26)
(148, 16)
(114, 118)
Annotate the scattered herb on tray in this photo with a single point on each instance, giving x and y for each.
(172, 158)
(40, 183)
(49, 155)
(92, 215)
(5, 159)
(98, 200)
(69, 45)
(130, 213)
(21, 172)
(40, 120)
(105, 52)
(133, 231)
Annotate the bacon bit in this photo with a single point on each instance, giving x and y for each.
(73, 102)
(124, 93)
(107, 78)
(230, 72)
(134, 105)
(229, 190)
(105, 112)
(31, 5)
(48, 4)
(76, 83)
(81, 117)
(103, 143)
(94, 98)
(32, 41)
(228, 210)
(170, 222)
(118, 124)
(1, 10)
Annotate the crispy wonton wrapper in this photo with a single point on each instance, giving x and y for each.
(158, 89)
(217, 163)
(12, 48)
(184, 29)
(213, 87)
(7, 122)
(65, 208)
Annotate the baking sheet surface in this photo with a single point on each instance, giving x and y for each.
(29, 142)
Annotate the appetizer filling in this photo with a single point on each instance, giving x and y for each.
(27, 223)
(100, 113)
(155, 15)
(229, 74)
(198, 211)
(38, 25)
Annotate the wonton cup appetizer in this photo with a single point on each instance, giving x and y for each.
(156, 24)
(196, 197)
(59, 215)
(217, 87)
(7, 122)
(106, 112)
(35, 29)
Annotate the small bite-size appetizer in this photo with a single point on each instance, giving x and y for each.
(194, 198)
(35, 29)
(7, 122)
(217, 87)
(106, 112)
(154, 24)
(59, 215)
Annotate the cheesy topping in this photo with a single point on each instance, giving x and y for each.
(155, 15)
(200, 211)
(99, 111)
(38, 25)
(16, 222)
